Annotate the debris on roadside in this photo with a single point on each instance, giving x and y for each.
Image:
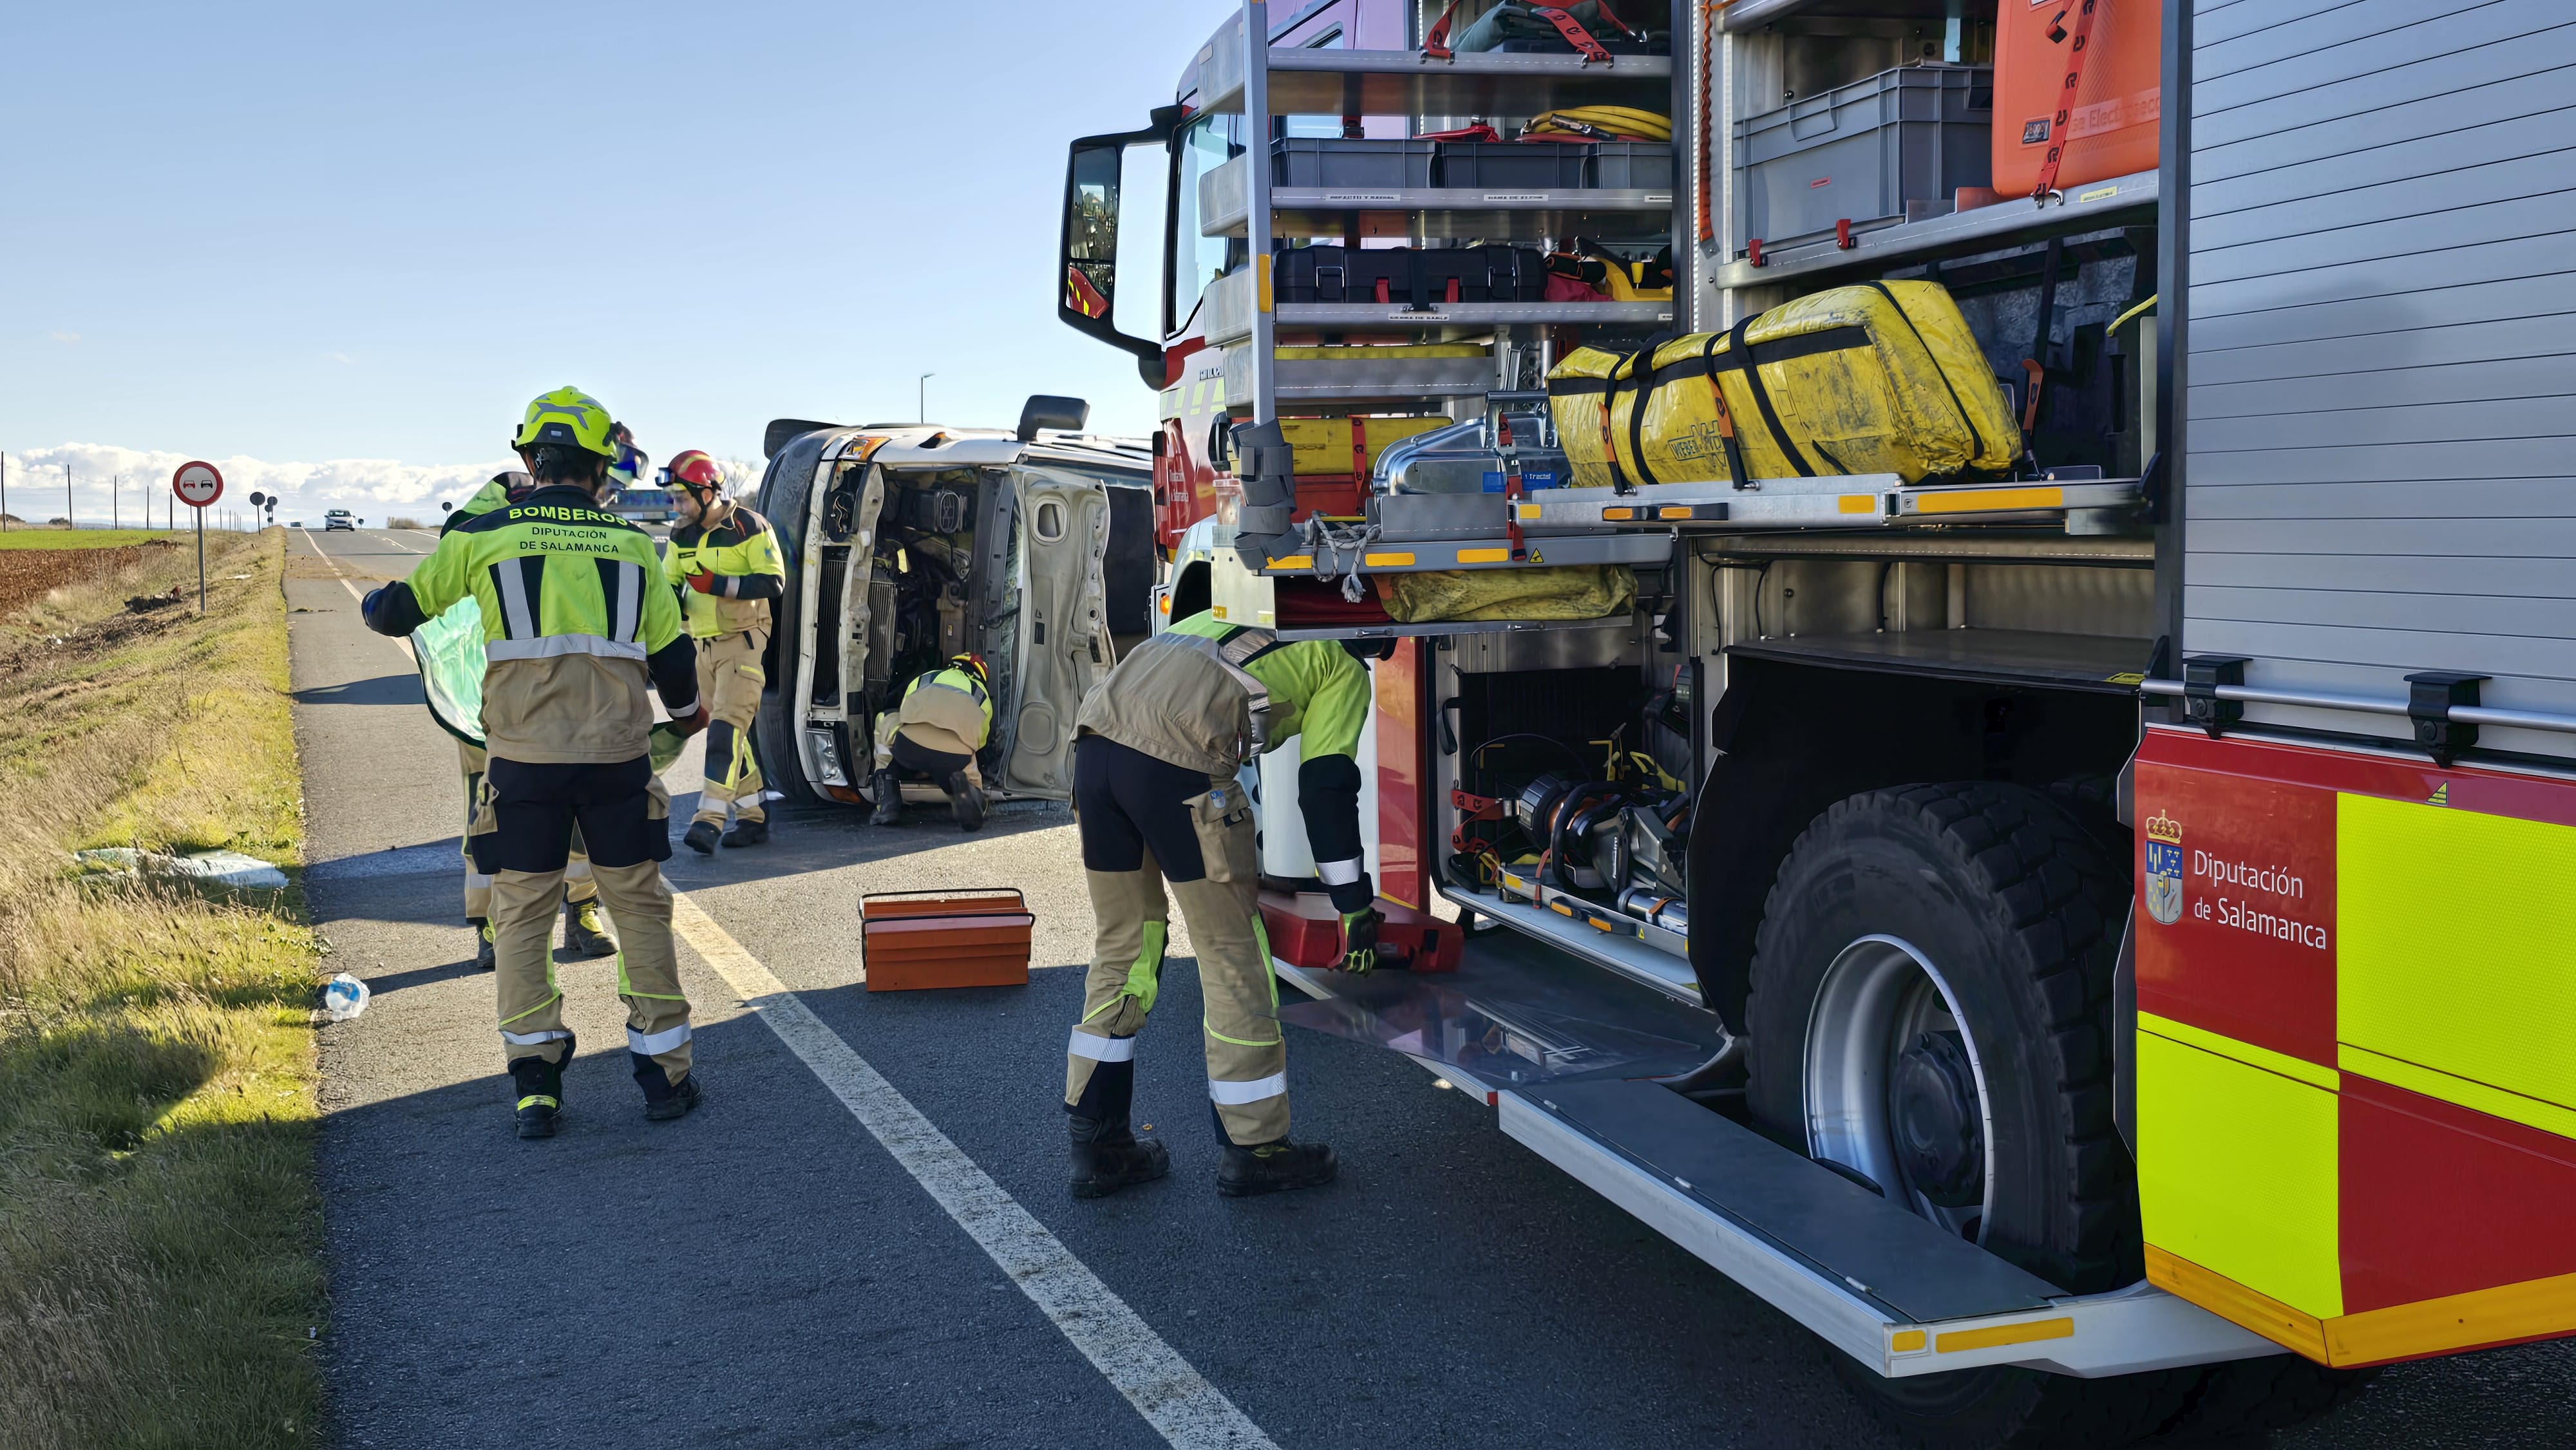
(224, 870)
(344, 997)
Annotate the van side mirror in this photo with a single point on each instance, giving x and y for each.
(1045, 410)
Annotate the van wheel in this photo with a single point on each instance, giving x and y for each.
(1930, 1008)
(785, 499)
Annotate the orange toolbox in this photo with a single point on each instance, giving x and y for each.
(979, 937)
(2119, 90)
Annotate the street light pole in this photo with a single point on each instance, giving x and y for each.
(921, 397)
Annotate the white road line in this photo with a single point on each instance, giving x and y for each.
(1172, 1396)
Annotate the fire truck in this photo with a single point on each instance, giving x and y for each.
(2087, 936)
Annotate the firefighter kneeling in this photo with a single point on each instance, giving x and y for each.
(1158, 743)
(944, 718)
(576, 622)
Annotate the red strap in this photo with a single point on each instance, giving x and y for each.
(2064, 118)
(1511, 486)
(1574, 33)
(1435, 41)
(1383, 294)
(1453, 291)
(1359, 450)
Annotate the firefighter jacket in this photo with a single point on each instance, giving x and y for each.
(952, 700)
(741, 551)
(1203, 693)
(574, 624)
(487, 498)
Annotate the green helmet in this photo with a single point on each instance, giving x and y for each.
(568, 415)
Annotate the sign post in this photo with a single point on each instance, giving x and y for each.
(197, 484)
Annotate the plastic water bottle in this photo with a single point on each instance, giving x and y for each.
(344, 997)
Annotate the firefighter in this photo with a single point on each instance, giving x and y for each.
(724, 559)
(576, 624)
(584, 934)
(1158, 744)
(943, 719)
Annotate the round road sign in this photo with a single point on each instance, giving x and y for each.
(197, 484)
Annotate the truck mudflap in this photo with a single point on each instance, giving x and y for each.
(1576, 1062)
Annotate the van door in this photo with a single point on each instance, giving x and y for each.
(1064, 640)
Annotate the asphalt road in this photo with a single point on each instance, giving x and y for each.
(770, 1272)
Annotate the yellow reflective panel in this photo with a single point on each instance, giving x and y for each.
(2458, 953)
(2236, 1172)
(1995, 1335)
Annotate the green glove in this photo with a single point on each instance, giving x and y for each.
(1359, 940)
(664, 744)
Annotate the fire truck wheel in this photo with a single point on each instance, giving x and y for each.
(786, 500)
(1930, 1008)
(2244, 1400)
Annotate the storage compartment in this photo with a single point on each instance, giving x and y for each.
(1360, 162)
(1629, 165)
(1859, 153)
(1410, 276)
(1512, 165)
(911, 940)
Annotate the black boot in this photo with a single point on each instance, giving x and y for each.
(1108, 1156)
(889, 800)
(663, 1098)
(966, 800)
(700, 837)
(584, 933)
(1274, 1168)
(747, 833)
(539, 1085)
(487, 955)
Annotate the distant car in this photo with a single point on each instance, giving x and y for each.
(644, 506)
(338, 519)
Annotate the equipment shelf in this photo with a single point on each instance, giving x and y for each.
(1491, 212)
(1321, 382)
(2101, 204)
(1327, 82)
(1227, 313)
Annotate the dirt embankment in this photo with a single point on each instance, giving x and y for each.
(27, 575)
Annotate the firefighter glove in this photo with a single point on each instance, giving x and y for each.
(1359, 940)
(692, 724)
(703, 581)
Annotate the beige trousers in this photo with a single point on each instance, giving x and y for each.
(578, 885)
(648, 967)
(1247, 1058)
(729, 681)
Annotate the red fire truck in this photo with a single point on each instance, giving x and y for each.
(2089, 938)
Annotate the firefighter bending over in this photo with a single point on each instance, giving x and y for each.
(1159, 741)
(725, 561)
(576, 622)
(584, 934)
(943, 719)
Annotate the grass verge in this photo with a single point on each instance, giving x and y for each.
(16, 537)
(160, 1229)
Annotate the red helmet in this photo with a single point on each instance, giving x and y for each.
(694, 471)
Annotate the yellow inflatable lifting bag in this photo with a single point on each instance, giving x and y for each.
(1880, 378)
(1572, 591)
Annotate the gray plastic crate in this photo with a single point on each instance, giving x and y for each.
(1369, 162)
(1633, 165)
(1517, 165)
(1860, 152)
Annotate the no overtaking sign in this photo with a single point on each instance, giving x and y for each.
(197, 484)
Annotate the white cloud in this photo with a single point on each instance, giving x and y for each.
(67, 337)
(368, 486)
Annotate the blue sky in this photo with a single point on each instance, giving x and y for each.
(342, 244)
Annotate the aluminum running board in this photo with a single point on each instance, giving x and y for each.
(1417, 532)
(1891, 1290)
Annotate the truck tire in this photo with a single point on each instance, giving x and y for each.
(1931, 956)
(2245, 1400)
(785, 498)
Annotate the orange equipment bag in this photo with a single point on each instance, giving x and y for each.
(975, 938)
(2109, 127)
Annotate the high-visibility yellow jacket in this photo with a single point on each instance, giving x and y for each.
(574, 625)
(951, 699)
(740, 550)
(1177, 698)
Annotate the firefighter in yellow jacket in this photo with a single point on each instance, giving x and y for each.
(584, 934)
(943, 719)
(1159, 741)
(576, 625)
(724, 560)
